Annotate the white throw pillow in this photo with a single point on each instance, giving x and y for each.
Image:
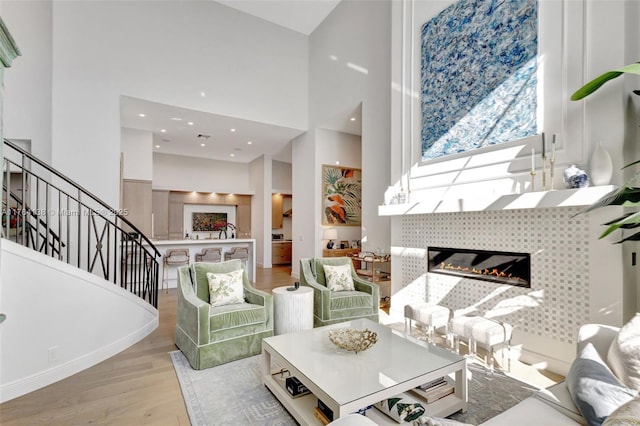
(339, 277)
(624, 354)
(626, 415)
(225, 289)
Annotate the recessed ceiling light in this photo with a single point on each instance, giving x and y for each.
(203, 144)
(233, 130)
(142, 115)
(338, 162)
(333, 57)
(204, 95)
(163, 130)
(352, 119)
(190, 123)
(249, 142)
(157, 146)
(232, 155)
(176, 118)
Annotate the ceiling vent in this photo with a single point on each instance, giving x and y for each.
(201, 136)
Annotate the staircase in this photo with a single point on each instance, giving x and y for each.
(46, 211)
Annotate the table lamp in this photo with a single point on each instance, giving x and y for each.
(330, 234)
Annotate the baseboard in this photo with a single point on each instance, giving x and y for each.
(62, 371)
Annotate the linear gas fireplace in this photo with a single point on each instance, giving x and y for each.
(495, 266)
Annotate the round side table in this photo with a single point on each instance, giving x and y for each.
(293, 310)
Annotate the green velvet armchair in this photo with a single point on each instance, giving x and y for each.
(331, 307)
(213, 335)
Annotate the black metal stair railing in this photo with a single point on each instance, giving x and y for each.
(48, 212)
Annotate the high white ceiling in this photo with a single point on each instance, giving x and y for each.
(181, 138)
(302, 16)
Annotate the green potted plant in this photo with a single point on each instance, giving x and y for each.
(627, 195)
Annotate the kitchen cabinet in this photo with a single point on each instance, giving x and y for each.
(276, 211)
(281, 253)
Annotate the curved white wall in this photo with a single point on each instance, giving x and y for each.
(60, 320)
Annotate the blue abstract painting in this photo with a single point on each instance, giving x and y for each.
(478, 75)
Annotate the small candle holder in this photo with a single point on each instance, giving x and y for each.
(551, 163)
(544, 172)
(533, 180)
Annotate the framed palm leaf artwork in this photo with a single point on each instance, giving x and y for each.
(341, 196)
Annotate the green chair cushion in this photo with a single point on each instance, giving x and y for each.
(238, 315)
(350, 299)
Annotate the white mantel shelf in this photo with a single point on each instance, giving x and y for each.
(528, 200)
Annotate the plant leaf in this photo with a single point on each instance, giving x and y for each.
(597, 82)
(634, 237)
(626, 222)
(625, 196)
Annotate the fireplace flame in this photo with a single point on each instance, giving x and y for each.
(493, 272)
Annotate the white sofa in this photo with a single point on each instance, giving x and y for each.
(549, 407)
(554, 406)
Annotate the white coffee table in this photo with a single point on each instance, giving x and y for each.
(346, 381)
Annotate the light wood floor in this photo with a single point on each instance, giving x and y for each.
(135, 387)
(139, 386)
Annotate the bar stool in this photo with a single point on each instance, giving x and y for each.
(209, 255)
(241, 253)
(173, 257)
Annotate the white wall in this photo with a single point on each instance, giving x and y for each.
(166, 52)
(27, 84)
(178, 173)
(60, 320)
(260, 172)
(137, 150)
(348, 65)
(281, 179)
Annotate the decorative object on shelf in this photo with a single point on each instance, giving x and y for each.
(353, 340)
(575, 177)
(552, 160)
(330, 234)
(533, 170)
(601, 166)
(544, 164)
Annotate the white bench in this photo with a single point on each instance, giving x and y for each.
(432, 315)
(485, 332)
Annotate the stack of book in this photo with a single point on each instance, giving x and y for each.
(434, 390)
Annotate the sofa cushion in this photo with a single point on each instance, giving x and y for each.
(594, 388)
(339, 277)
(624, 353)
(530, 412)
(558, 397)
(225, 289)
(626, 415)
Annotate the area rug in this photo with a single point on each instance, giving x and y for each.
(232, 394)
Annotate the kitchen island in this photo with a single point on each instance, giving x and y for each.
(195, 246)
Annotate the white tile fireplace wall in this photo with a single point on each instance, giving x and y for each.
(574, 277)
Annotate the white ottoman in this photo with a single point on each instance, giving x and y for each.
(489, 333)
(432, 315)
(461, 328)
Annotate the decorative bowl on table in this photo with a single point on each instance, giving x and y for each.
(353, 340)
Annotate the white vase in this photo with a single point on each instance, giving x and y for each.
(601, 166)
